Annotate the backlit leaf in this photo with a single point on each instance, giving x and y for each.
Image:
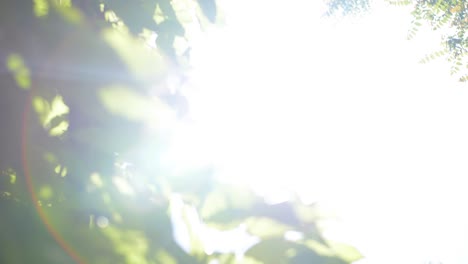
(123, 101)
(19, 70)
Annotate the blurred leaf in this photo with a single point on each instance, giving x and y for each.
(215, 202)
(163, 257)
(448, 19)
(10, 174)
(270, 251)
(209, 9)
(96, 179)
(42, 108)
(247, 260)
(308, 213)
(263, 227)
(347, 7)
(56, 121)
(277, 250)
(41, 8)
(95, 77)
(46, 192)
(158, 15)
(58, 107)
(53, 116)
(228, 207)
(346, 252)
(60, 170)
(399, 2)
(59, 129)
(228, 203)
(196, 183)
(125, 102)
(131, 244)
(68, 12)
(21, 73)
(146, 64)
(309, 256)
(320, 248)
(12, 178)
(14, 62)
(282, 212)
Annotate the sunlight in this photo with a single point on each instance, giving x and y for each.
(341, 113)
(218, 131)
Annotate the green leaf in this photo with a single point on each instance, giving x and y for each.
(164, 257)
(263, 227)
(41, 8)
(227, 202)
(247, 260)
(145, 64)
(345, 251)
(46, 192)
(270, 251)
(59, 129)
(12, 178)
(309, 256)
(214, 203)
(399, 3)
(277, 250)
(123, 101)
(19, 70)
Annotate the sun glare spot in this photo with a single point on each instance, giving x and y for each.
(340, 113)
(123, 186)
(293, 236)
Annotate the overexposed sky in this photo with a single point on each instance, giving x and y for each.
(341, 112)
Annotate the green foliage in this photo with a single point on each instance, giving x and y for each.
(53, 116)
(400, 2)
(347, 7)
(79, 111)
(278, 250)
(450, 18)
(41, 8)
(137, 107)
(433, 56)
(16, 66)
(345, 252)
(264, 227)
(415, 24)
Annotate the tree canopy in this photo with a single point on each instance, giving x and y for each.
(87, 111)
(448, 18)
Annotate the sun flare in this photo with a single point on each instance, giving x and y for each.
(337, 112)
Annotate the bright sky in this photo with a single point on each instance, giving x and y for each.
(341, 112)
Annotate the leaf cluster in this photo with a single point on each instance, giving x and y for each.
(450, 18)
(83, 131)
(347, 7)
